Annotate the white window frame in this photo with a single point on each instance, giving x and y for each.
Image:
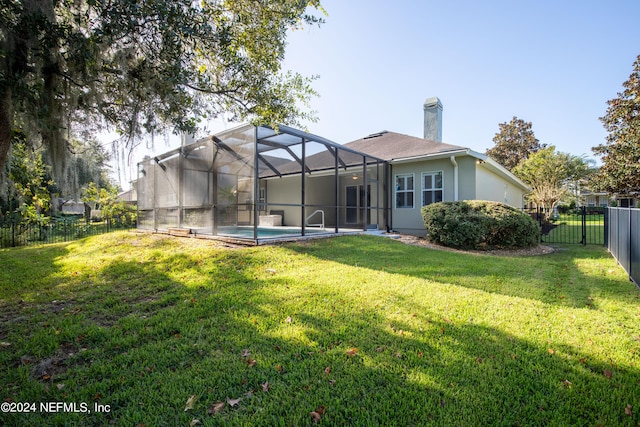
(433, 188)
(412, 191)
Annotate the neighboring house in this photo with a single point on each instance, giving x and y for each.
(130, 196)
(210, 186)
(593, 199)
(629, 201)
(603, 199)
(71, 207)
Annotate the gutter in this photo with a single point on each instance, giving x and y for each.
(455, 177)
(442, 155)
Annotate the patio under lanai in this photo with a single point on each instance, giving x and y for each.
(248, 183)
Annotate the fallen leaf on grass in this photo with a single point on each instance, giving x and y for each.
(288, 319)
(246, 352)
(551, 351)
(5, 344)
(279, 368)
(352, 351)
(233, 402)
(628, 411)
(327, 370)
(608, 373)
(318, 413)
(190, 402)
(567, 383)
(194, 422)
(251, 362)
(265, 386)
(216, 407)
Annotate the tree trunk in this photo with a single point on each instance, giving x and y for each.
(6, 121)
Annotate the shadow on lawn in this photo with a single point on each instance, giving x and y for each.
(552, 279)
(230, 334)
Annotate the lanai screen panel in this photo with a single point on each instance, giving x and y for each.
(198, 177)
(233, 188)
(280, 166)
(167, 192)
(146, 195)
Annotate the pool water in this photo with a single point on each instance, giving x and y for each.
(266, 232)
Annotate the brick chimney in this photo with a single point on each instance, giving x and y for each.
(433, 119)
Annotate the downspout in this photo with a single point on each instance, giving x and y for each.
(455, 178)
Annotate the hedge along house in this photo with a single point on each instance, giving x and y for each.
(426, 170)
(248, 183)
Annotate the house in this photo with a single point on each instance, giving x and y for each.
(247, 182)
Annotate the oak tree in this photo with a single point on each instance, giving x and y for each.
(513, 143)
(72, 66)
(620, 171)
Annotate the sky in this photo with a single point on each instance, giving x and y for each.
(552, 63)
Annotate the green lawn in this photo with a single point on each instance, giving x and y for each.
(344, 331)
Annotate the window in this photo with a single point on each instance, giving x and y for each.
(431, 188)
(404, 191)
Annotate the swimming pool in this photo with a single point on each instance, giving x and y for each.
(267, 232)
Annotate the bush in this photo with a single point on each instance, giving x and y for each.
(479, 225)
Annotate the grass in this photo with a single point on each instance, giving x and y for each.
(344, 331)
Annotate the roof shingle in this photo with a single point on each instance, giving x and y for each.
(392, 146)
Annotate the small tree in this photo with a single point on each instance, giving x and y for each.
(106, 199)
(620, 171)
(513, 143)
(90, 197)
(32, 187)
(549, 174)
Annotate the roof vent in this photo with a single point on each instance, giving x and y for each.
(376, 135)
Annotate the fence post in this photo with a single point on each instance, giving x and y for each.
(606, 227)
(540, 221)
(584, 225)
(630, 245)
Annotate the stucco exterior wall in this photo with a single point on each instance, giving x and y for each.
(495, 188)
(409, 220)
(467, 178)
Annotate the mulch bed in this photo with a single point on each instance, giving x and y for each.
(533, 251)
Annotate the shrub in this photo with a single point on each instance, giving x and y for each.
(479, 225)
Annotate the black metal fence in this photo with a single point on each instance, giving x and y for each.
(623, 239)
(584, 225)
(20, 233)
